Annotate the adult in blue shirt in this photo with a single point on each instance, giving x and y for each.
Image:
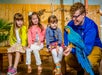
(88, 30)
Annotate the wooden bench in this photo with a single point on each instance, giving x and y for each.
(43, 53)
(3, 51)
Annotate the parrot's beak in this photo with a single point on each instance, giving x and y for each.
(68, 30)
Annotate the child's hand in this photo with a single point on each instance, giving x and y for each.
(57, 49)
(29, 46)
(67, 51)
(47, 50)
(39, 43)
(24, 48)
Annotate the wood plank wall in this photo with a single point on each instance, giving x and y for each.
(8, 10)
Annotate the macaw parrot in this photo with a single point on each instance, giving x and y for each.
(76, 41)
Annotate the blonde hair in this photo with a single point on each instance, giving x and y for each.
(17, 16)
(77, 6)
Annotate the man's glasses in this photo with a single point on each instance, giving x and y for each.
(76, 16)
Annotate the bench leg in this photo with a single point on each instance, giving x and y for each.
(1, 62)
(22, 58)
(63, 64)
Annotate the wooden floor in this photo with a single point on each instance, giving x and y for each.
(34, 72)
(46, 64)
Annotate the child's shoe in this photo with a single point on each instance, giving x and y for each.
(9, 68)
(13, 71)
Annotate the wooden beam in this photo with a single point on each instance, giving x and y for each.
(62, 16)
(86, 5)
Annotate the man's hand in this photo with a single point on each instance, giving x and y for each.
(67, 51)
(24, 48)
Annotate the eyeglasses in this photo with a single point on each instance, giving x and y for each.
(76, 16)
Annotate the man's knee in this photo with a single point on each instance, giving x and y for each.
(95, 58)
(96, 69)
(100, 68)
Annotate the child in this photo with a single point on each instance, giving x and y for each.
(18, 41)
(54, 41)
(36, 36)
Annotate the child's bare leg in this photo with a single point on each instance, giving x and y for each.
(17, 57)
(10, 59)
(13, 70)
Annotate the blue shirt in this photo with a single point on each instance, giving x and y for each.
(89, 33)
(53, 35)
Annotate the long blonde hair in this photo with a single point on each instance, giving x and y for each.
(16, 17)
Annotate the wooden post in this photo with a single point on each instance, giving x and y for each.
(86, 5)
(62, 26)
(1, 62)
(62, 16)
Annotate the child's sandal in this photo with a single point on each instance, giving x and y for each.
(29, 70)
(54, 70)
(39, 70)
(58, 70)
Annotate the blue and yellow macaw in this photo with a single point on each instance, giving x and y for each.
(76, 41)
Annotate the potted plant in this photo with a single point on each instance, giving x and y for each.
(4, 32)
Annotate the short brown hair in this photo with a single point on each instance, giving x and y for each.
(52, 19)
(77, 6)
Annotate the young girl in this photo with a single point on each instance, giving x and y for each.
(18, 41)
(36, 36)
(54, 41)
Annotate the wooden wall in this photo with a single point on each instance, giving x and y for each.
(8, 10)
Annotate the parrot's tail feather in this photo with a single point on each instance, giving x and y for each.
(82, 59)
